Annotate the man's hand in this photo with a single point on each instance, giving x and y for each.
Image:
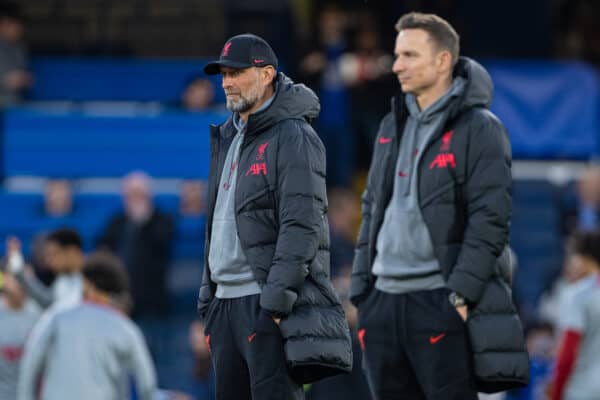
(15, 258)
(462, 311)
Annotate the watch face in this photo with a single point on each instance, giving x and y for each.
(456, 300)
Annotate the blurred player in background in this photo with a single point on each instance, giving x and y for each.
(17, 317)
(63, 254)
(577, 373)
(89, 351)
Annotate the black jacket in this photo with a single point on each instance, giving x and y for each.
(464, 189)
(146, 254)
(281, 206)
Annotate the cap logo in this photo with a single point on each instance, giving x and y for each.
(258, 61)
(226, 49)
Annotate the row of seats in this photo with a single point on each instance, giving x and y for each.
(550, 109)
(536, 238)
(90, 143)
(24, 216)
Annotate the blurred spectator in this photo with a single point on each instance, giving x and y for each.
(198, 95)
(64, 256)
(14, 77)
(58, 198)
(141, 235)
(579, 35)
(192, 199)
(555, 306)
(202, 383)
(583, 211)
(17, 317)
(368, 73)
(577, 367)
(343, 214)
(89, 351)
(320, 69)
(37, 259)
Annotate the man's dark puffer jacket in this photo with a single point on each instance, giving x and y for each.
(465, 198)
(281, 216)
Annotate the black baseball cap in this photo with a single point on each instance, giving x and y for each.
(243, 51)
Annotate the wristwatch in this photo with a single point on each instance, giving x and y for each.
(456, 300)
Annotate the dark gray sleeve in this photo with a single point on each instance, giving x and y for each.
(302, 200)
(35, 289)
(141, 366)
(488, 197)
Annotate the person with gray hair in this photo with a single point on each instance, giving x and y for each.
(273, 321)
(141, 236)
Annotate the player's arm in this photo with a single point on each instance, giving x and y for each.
(35, 289)
(34, 358)
(142, 367)
(567, 355)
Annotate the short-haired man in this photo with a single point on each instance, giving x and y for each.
(63, 254)
(433, 240)
(91, 350)
(272, 318)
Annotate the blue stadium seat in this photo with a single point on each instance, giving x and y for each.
(79, 145)
(85, 79)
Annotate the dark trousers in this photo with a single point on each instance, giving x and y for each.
(415, 347)
(247, 352)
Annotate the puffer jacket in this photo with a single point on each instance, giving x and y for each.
(281, 217)
(464, 189)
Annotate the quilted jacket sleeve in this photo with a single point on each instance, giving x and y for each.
(488, 202)
(301, 207)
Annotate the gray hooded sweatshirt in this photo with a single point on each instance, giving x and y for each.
(229, 267)
(405, 260)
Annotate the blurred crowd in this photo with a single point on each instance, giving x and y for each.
(348, 63)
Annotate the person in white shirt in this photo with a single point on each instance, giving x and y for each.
(63, 254)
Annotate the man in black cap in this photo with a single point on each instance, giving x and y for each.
(273, 321)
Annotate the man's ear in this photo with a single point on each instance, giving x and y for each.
(444, 61)
(268, 74)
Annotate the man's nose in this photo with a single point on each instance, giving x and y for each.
(226, 82)
(398, 66)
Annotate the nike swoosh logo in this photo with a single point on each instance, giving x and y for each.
(258, 61)
(251, 337)
(435, 339)
(384, 140)
(361, 338)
